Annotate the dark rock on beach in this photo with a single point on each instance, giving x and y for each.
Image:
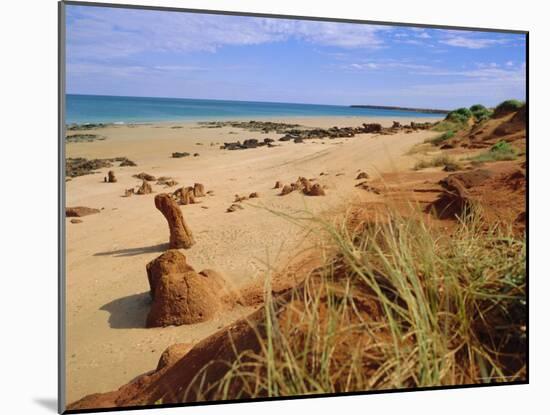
(298, 134)
(83, 127)
(178, 155)
(83, 138)
(80, 166)
(79, 211)
(127, 163)
(145, 176)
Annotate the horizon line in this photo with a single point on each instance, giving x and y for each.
(267, 102)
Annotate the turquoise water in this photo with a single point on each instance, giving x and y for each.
(110, 109)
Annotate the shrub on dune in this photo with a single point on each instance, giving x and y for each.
(498, 152)
(507, 107)
(480, 112)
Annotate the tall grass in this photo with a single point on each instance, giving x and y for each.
(400, 305)
(441, 160)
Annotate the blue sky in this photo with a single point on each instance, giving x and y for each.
(131, 52)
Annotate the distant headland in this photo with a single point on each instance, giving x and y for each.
(384, 107)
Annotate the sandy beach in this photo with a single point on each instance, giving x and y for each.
(107, 289)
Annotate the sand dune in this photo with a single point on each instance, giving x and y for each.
(107, 289)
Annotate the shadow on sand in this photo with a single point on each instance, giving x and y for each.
(134, 251)
(48, 403)
(128, 312)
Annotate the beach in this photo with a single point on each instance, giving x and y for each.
(107, 289)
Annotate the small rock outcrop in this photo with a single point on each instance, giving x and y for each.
(111, 178)
(79, 211)
(253, 195)
(166, 181)
(234, 207)
(315, 190)
(372, 128)
(198, 190)
(145, 176)
(187, 196)
(306, 186)
(303, 184)
(286, 190)
(180, 234)
(144, 189)
(127, 163)
(362, 175)
(278, 185)
(239, 199)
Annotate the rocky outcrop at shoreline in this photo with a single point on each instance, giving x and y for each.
(298, 135)
(80, 166)
(83, 138)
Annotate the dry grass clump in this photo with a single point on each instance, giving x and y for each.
(399, 305)
(443, 160)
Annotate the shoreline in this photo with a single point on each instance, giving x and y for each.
(384, 120)
(426, 117)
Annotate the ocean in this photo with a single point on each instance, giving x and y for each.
(82, 109)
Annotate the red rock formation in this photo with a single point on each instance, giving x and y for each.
(170, 262)
(455, 200)
(180, 234)
(183, 298)
(172, 354)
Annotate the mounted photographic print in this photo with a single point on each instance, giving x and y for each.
(257, 207)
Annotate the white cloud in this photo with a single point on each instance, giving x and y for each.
(386, 65)
(471, 42)
(178, 68)
(127, 71)
(415, 42)
(103, 33)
